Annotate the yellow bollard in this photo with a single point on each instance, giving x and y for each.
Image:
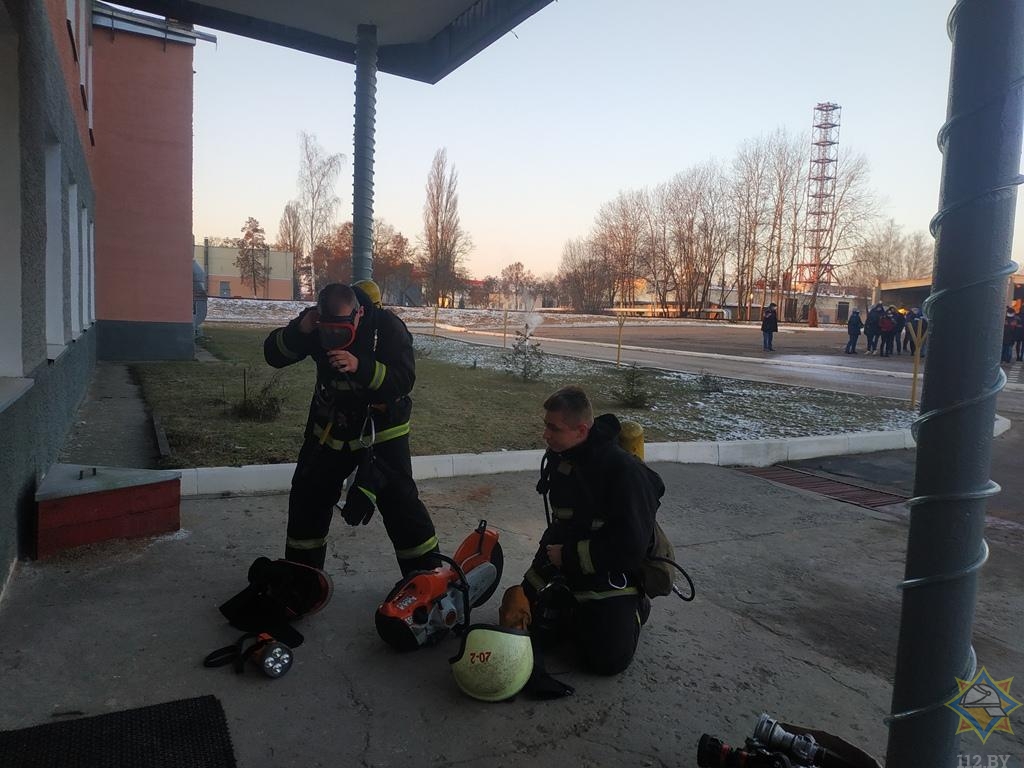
(631, 438)
(618, 351)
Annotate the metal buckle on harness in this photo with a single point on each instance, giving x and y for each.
(613, 585)
(373, 431)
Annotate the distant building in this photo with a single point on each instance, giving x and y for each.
(913, 292)
(833, 306)
(224, 280)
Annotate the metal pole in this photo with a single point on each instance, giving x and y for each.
(981, 145)
(362, 155)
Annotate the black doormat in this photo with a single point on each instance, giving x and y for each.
(191, 733)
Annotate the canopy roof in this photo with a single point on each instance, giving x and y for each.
(418, 39)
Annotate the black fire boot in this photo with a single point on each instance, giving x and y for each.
(314, 558)
(424, 562)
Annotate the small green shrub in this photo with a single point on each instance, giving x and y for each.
(633, 393)
(525, 359)
(264, 404)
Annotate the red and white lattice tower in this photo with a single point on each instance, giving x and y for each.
(821, 197)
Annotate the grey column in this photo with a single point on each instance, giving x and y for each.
(981, 145)
(362, 162)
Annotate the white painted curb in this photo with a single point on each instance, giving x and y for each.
(276, 478)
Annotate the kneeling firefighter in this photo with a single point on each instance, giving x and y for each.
(589, 582)
(358, 420)
(586, 583)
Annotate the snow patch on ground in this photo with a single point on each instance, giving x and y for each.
(266, 312)
(688, 406)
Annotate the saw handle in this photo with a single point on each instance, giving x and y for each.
(462, 584)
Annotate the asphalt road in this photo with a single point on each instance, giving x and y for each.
(803, 357)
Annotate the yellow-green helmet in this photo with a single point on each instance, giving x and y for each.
(370, 288)
(494, 662)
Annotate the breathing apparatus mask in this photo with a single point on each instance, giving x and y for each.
(336, 331)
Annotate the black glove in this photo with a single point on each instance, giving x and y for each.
(541, 685)
(360, 502)
(361, 499)
(544, 687)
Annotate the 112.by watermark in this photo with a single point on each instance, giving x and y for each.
(983, 761)
(984, 705)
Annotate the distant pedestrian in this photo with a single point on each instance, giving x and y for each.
(901, 325)
(769, 326)
(853, 327)
(916, 324)
(887, 328)
(871, 330)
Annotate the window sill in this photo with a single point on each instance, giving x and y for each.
(55, 351)
(11, 389)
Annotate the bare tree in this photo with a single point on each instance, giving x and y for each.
(482, 292)
(853, 210)
(653, 257)
(516, 279)
(548, 290)
(584, 275)
(290, 240)
(786, 195)
(445, 244)
(333, 257)
(884, 254)
(253, 256)
(317, 203)
(920, 255)
(712, 233)
(618, 231)
(392, 261)
(750, 173)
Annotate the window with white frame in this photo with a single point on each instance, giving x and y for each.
(55, 333)
(92, 273)
(75, 261)
(82, 45)
(72, 20)
(83, 298)
(11, 364)
(88, 85)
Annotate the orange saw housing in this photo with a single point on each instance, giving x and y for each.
(425, 605)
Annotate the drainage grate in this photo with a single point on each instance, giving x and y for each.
(834, 489)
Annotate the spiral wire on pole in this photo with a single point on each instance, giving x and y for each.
(994, 279)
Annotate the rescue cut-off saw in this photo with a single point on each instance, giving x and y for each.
(426, 605)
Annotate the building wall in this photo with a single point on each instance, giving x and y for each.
(219, 264)
(45, 264)
(143, 175)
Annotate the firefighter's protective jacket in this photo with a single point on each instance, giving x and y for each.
(603, 501)
(382, 382)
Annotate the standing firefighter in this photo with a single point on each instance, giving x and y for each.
(358, 420)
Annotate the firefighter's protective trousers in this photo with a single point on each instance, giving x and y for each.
(316, 488)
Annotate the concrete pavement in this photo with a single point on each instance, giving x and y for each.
(796, 614)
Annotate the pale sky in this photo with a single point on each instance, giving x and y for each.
(585, 99)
